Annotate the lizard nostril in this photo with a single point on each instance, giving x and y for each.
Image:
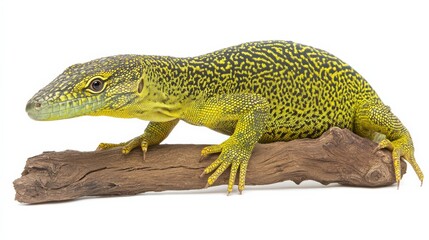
(31, 106)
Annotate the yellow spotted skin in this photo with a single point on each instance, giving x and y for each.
(255, 92)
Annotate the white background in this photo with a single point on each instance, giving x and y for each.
(386, 41)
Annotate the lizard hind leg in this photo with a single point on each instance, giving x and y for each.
(401, 149)
(374, 116)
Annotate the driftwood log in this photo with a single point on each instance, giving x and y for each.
(338, 156)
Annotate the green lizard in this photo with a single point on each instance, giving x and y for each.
(255, 92)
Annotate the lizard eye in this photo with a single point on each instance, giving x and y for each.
(96, 85)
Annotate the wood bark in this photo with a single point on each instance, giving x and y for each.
(338, 156)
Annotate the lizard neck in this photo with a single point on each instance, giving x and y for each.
(170, 88)
(175, 85)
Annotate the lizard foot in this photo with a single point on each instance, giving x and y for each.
(128, 146)
(401, 148)
(232, 154)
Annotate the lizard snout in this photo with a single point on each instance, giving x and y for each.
(32, 108)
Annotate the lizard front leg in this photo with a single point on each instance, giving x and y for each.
(374, 116)
(244, 117)
(154, 134)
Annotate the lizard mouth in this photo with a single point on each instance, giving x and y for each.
(46, 110)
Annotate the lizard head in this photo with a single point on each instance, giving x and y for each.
(104, 86)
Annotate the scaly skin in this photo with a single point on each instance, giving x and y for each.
(255, 92)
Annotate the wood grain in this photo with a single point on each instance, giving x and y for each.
(338, 156)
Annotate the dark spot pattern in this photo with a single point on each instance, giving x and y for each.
(308, 89)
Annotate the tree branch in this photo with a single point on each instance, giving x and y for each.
(338, 156)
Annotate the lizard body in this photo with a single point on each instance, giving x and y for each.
(255, 92)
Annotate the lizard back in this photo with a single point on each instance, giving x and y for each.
(309, 90)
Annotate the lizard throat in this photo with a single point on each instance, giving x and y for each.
(156, 111)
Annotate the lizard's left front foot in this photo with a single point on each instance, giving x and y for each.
(232, 154)
(401, 147)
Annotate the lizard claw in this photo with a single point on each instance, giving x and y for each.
(144, 153)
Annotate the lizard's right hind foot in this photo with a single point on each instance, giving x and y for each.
(401, 148)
